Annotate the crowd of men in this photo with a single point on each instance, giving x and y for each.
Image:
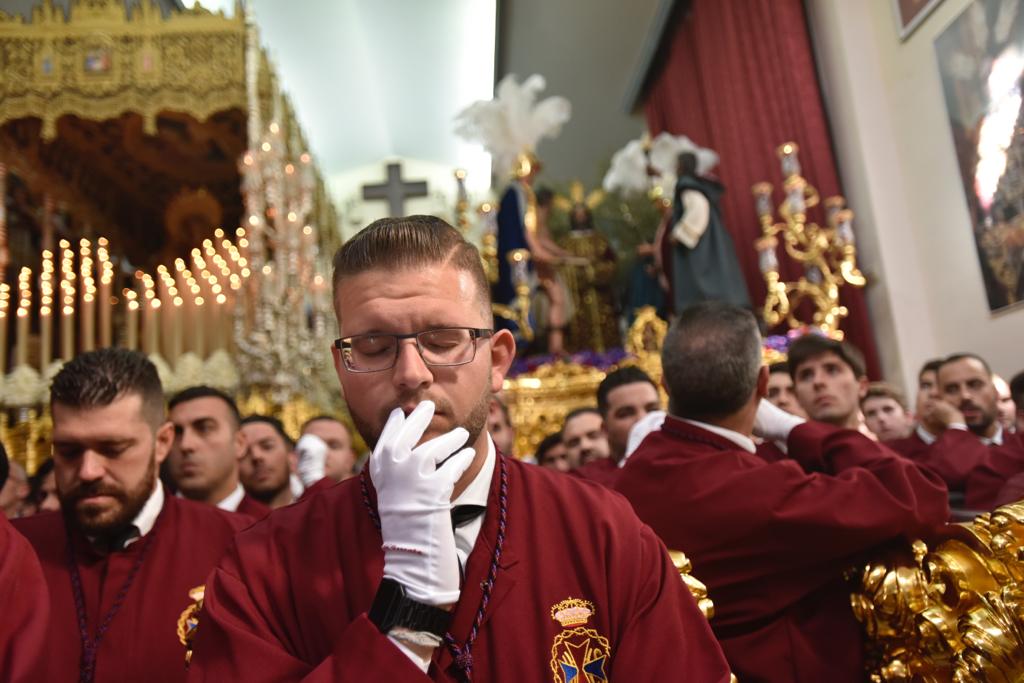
(437, 557)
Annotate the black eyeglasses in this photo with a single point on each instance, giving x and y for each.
(443, 346)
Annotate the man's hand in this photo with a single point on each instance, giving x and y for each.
(772, 423)
(312, 452)
(941, 413)
(414, 489)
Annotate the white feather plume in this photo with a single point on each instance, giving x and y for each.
(628, 171)
(513, 122)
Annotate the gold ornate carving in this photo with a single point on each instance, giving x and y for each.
(100, 62)
(538, 401)
(955, 614)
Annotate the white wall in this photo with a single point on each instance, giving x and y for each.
(899, 171)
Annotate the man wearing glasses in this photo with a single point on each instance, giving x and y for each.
(444, 560)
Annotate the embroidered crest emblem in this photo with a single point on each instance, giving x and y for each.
(188, 622)
(578, 654)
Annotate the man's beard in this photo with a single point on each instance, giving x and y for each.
(984, 421)
(267, 493)
(102, 522)
(474, 423)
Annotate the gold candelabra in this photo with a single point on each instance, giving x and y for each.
(828, 253)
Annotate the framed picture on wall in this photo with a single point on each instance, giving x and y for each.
(981, 63)
(910, 14)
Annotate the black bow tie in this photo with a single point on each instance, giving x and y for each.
(464, 514)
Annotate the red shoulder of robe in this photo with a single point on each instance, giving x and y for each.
(967, 464)
(252, 507)
(141, 643)
(25, 601)
(771, 540)
(289, 601)
(317, 487)
(604, 471)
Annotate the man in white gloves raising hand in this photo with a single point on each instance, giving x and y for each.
(444, 560)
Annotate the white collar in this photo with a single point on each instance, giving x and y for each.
(996, 439)
(478, 490)
(233, 499)
(744, 442)
(146, 518)
(925, 435)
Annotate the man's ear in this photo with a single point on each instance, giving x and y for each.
(163, 441)
(503, 352)
(862, 389)
(240, 444)
(762, 382)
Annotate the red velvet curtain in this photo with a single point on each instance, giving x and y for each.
(738, 76)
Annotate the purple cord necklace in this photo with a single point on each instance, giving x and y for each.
(463, 655)
(91, 646)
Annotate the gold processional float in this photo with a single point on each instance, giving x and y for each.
(249, 309)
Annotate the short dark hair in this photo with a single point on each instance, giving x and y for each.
(325, 416)
(273, 422)
(884, 390)
(503, 407)
(35, 482)
(711, 358)
(1017, 390)
(545, 445)
(393, 244)
(98, 378)
(203, 391)
(778, 368)
(929, 366)
(576, 412)
(955, 357)
(5, 467)
(812, 345)
(617, 378)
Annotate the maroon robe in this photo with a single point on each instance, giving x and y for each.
(912, 447)
(252, 507)
(1012, 491)
(289, 600)
(24, 609)
(141, 643)
(769, 451)
(967, 464)
(771, 540)
(317, 487)
(604, 471)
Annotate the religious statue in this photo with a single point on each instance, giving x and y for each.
(509, 126)
(590, 276)
(702, 261)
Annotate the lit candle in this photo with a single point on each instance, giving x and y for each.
(87, 320)
(177, 328)
(46, 306)
(795, 195)
(198, 333)
(67, 286)
(153, 328)
(148, 312)
(131, 319)
(787, 156)
(5, 302)
(106, 303)
(24, 309)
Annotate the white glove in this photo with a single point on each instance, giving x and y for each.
(312, 452)
(650, 422)
(773, 423)
(414, 503)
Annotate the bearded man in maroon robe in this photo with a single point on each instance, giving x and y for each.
(123, 558)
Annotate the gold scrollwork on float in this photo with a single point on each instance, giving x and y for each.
(951, 615)
(99, 62)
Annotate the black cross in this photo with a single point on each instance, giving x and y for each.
(395, 190)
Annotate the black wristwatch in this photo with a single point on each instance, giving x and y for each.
(392, 607)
